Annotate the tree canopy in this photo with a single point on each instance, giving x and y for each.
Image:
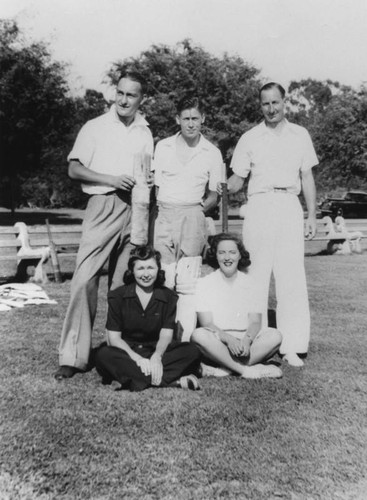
(227, 86)
(336, 117)
(39, 118)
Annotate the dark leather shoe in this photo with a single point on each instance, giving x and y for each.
(66, 372)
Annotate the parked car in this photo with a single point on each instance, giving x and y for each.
(352, 205)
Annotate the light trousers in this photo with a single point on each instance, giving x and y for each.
(179, 231)
(105, 236)
(273, 233)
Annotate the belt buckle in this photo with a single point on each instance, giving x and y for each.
(280, 190)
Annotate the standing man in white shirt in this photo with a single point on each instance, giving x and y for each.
(278, 156)
(184, 165)
(102, 159)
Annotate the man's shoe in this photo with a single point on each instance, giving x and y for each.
(261, 371)
(66, 372)
(293, 359)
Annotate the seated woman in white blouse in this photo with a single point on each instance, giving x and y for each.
(230, 333)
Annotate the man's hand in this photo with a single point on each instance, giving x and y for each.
(310, 227)
(123, 182)
(219, 188)
(150, 180)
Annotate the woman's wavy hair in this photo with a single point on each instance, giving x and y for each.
(144, 253)
(214, 241)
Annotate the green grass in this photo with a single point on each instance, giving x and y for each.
(299, 438)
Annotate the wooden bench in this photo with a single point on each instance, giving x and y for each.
(8, 251)
(22, 245)
(342, 236)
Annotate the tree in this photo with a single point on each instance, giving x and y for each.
(341, 141)
(227, 86)
(336, 117)
(33, 105)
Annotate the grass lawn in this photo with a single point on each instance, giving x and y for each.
(299, 438)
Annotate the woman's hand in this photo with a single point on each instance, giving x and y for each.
(234, 345)
(246, 345)
(144, 365)
(156, 367)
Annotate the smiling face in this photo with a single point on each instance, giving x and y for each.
(228, 257)
(128, 98)
(145, 273)
(272, 106)
(190, 121)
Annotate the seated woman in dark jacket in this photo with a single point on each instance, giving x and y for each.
(140, 323)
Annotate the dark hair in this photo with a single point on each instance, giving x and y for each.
(214, 241)
(272, 85)
(189, 102)
(144, 253)
(134, 76)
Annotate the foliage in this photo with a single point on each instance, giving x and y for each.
(336, 117)
(33, 105)
(38, 121)
(227, 87)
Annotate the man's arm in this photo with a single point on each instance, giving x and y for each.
(309, 192)
(234, 184)
(79, 172)
(210, 201)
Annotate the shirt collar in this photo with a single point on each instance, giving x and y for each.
(129, 291)
(266, 130)
(139, 120)
(203, 143)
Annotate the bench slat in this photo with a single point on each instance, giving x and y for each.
(59, 241)
(9, 243)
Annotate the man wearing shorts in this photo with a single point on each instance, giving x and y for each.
(185, 164)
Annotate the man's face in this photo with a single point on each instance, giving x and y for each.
(128, 98)
(272, 106)
(190, 121)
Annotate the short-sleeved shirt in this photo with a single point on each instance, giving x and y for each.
(229, 301)
(185, 183)
(138, 325)
(106, 145)
(274, 159)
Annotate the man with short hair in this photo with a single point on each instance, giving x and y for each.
(279, 157)
(102, 159)
(184, 165)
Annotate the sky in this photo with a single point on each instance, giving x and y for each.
(285, 39)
